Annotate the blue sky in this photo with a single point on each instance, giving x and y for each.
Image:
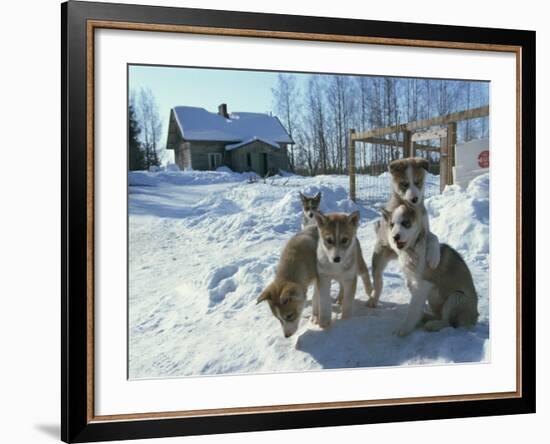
(241, 90)
(207, 88)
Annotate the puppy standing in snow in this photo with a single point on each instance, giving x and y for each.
(408, 185)
(339, 257)
(449, 287)
(296, 271)
(310, 205)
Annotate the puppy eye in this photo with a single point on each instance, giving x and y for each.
(404, 184)
(345, 240)
(330, 241)
(417, 183)
(406, 224)
(391, 224)
(289, 317)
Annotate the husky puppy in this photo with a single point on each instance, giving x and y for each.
(449, 288)
(339, 257)
(296, 271)
(407, 182)
(310, 204)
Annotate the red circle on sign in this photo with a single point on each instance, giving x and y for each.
(483, 159)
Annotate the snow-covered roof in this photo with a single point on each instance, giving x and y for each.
(200, 124)
(233, 146)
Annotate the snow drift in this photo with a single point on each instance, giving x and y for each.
(203, 245)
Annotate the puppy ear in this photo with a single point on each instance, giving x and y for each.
(423, 163)
(320, 218)
(317, 197)
(396, 166)
(266, 295)
(302, 196)
(386, 214)
(353, 218)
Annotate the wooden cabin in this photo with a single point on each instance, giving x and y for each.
(242, 141)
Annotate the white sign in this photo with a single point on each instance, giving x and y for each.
(472, 159)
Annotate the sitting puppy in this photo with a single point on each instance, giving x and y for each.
(310, 205)
(408, 180)
(449, 287)
(296, 271)
(339, 257)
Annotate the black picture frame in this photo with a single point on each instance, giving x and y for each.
(76, 423)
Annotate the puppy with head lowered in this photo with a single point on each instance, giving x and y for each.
(448, 288)
(339, 258)
(310, 205)
(297, 270)
(408, 177)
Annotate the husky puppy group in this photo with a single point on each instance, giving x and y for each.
(327, 249)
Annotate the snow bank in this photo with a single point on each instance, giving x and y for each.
(176, 177)
(203, 245)
(460, 217)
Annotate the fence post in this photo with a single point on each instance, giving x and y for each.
(408, 145)
(351, 166)
(443, 163)
(451, 143)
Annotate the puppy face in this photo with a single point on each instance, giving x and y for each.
(408, 177)
(286, 301)
(403, 227)
(337, 233)
(310, 205)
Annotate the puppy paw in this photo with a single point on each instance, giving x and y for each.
(433, 255)
(403, 331)
(372, 302)
(324, 323)
(314, 319)
(435, 325)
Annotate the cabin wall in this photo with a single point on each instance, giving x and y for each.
(276, 158)
(200, 151)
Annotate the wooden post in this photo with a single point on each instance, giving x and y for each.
(451, 143)
(351, 166)
(443, 164)
(408, 146)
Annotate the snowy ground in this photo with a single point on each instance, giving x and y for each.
(204, 244)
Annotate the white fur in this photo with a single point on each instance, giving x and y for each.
(344, 272)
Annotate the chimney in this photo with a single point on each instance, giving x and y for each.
(222, 110)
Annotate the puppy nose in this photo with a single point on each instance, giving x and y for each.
(288, 335)
(337, 259)
(396, 237)
(414, 199)
(310, 214)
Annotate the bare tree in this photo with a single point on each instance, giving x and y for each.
(150, 124)
(316, 121)
(340, 105)
(286, 96)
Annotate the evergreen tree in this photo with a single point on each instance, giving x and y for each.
(136, 158)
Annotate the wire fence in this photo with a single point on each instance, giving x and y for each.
(372, 178)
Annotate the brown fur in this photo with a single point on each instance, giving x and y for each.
(339, 258)
(297, 269)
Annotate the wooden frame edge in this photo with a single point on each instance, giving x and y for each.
(96, 24)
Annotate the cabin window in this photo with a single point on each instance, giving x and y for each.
(214, 160)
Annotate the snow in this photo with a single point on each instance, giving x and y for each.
(200, 124)
(203, 245)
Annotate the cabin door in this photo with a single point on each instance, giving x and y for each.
(214, 160)
(264, 164)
